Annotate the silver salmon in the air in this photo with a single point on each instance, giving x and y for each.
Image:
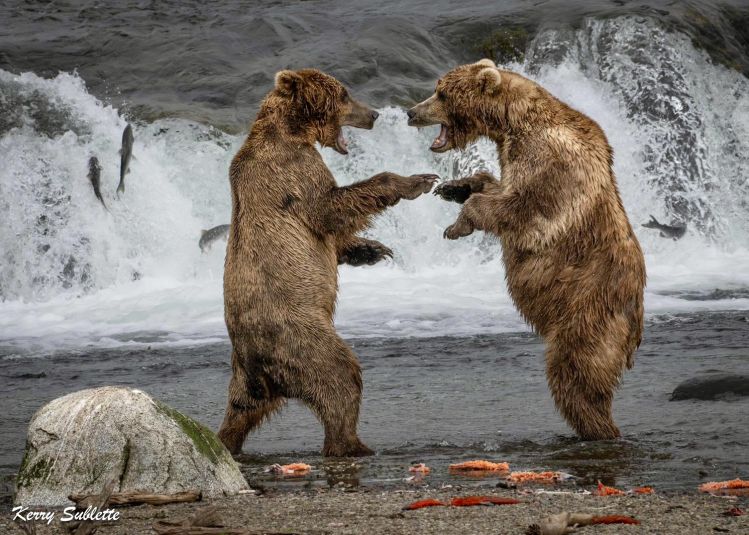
(126, 153)
(673, 231)
(207, 237)
(94, 175)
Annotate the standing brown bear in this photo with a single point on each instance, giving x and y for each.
(573, 265)
(291, 225)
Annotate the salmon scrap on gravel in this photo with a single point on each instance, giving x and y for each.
(541, 477)
(603, 490)
(293, 469)
(465, 501)
(734, 486)
(568, 522)
(420, 468)
(480, 466)
(470, 501)
(430, 502)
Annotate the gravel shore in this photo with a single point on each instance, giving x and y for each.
(371, 511)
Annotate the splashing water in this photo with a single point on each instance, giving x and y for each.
(73, 274)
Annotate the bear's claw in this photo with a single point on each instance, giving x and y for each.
(453, 192)
(459, 229)
(419, 184)
(367, 253)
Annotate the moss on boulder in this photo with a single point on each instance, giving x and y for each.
(80, 442)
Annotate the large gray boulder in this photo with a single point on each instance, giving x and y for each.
(80, 442)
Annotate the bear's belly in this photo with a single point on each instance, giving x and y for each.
(551, 289)
(284, 279)
(532, 284)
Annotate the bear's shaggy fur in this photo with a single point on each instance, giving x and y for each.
(574, 267)
(291, 225)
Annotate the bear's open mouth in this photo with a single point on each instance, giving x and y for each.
(341, 145)
(441, 142)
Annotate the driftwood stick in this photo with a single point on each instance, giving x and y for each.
(137, 498)
(88, 527)
(206, 521)
(162, 529)
(29, 528)
(206, 517)
(565, 523)
(559, 524)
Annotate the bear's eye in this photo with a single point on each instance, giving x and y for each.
(345, 98)
(441, 96)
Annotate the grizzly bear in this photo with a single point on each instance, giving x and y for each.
(573, 265)
(291, 225)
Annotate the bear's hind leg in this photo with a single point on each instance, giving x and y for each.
(326, 376)
(244, 412)
(582, 378)
(239, 422)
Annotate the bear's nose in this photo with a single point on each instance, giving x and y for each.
(411, 113)
(375, 115)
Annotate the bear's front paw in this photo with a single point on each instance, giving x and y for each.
(416, 185)
(454, 190)
(367, 253)
(459, 229)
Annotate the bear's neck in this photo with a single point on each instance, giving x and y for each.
(271, 126)
(522, 108)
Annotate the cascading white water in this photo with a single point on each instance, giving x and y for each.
(73, 274)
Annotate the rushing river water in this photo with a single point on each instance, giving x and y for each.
(84, 293)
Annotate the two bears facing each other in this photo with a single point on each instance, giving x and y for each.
(573, 264)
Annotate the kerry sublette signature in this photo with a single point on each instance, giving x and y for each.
(69, 514)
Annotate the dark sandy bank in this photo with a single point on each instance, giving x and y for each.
(341, 510)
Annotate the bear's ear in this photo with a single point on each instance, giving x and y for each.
(486, 62)
(288, 82)
(489, 80)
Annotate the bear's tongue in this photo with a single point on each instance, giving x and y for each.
(341, 144)
(441, 140)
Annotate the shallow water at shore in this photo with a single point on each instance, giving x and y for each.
(443, 400)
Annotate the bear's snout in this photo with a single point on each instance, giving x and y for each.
(413, 117)
(360, 116)
(423, 114)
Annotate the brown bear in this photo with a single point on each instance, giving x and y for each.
(574, 267)
(291, 225)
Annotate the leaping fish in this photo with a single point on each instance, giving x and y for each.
(207, 237)
(126, 154)
(674, 231)
(94, 175)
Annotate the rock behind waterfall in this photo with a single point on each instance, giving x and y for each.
(80, 442)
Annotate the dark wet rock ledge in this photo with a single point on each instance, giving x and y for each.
(712, 386)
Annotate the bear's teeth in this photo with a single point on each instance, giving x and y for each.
(441, 140)
(341, 142)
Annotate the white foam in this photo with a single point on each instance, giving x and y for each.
(434, 287)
